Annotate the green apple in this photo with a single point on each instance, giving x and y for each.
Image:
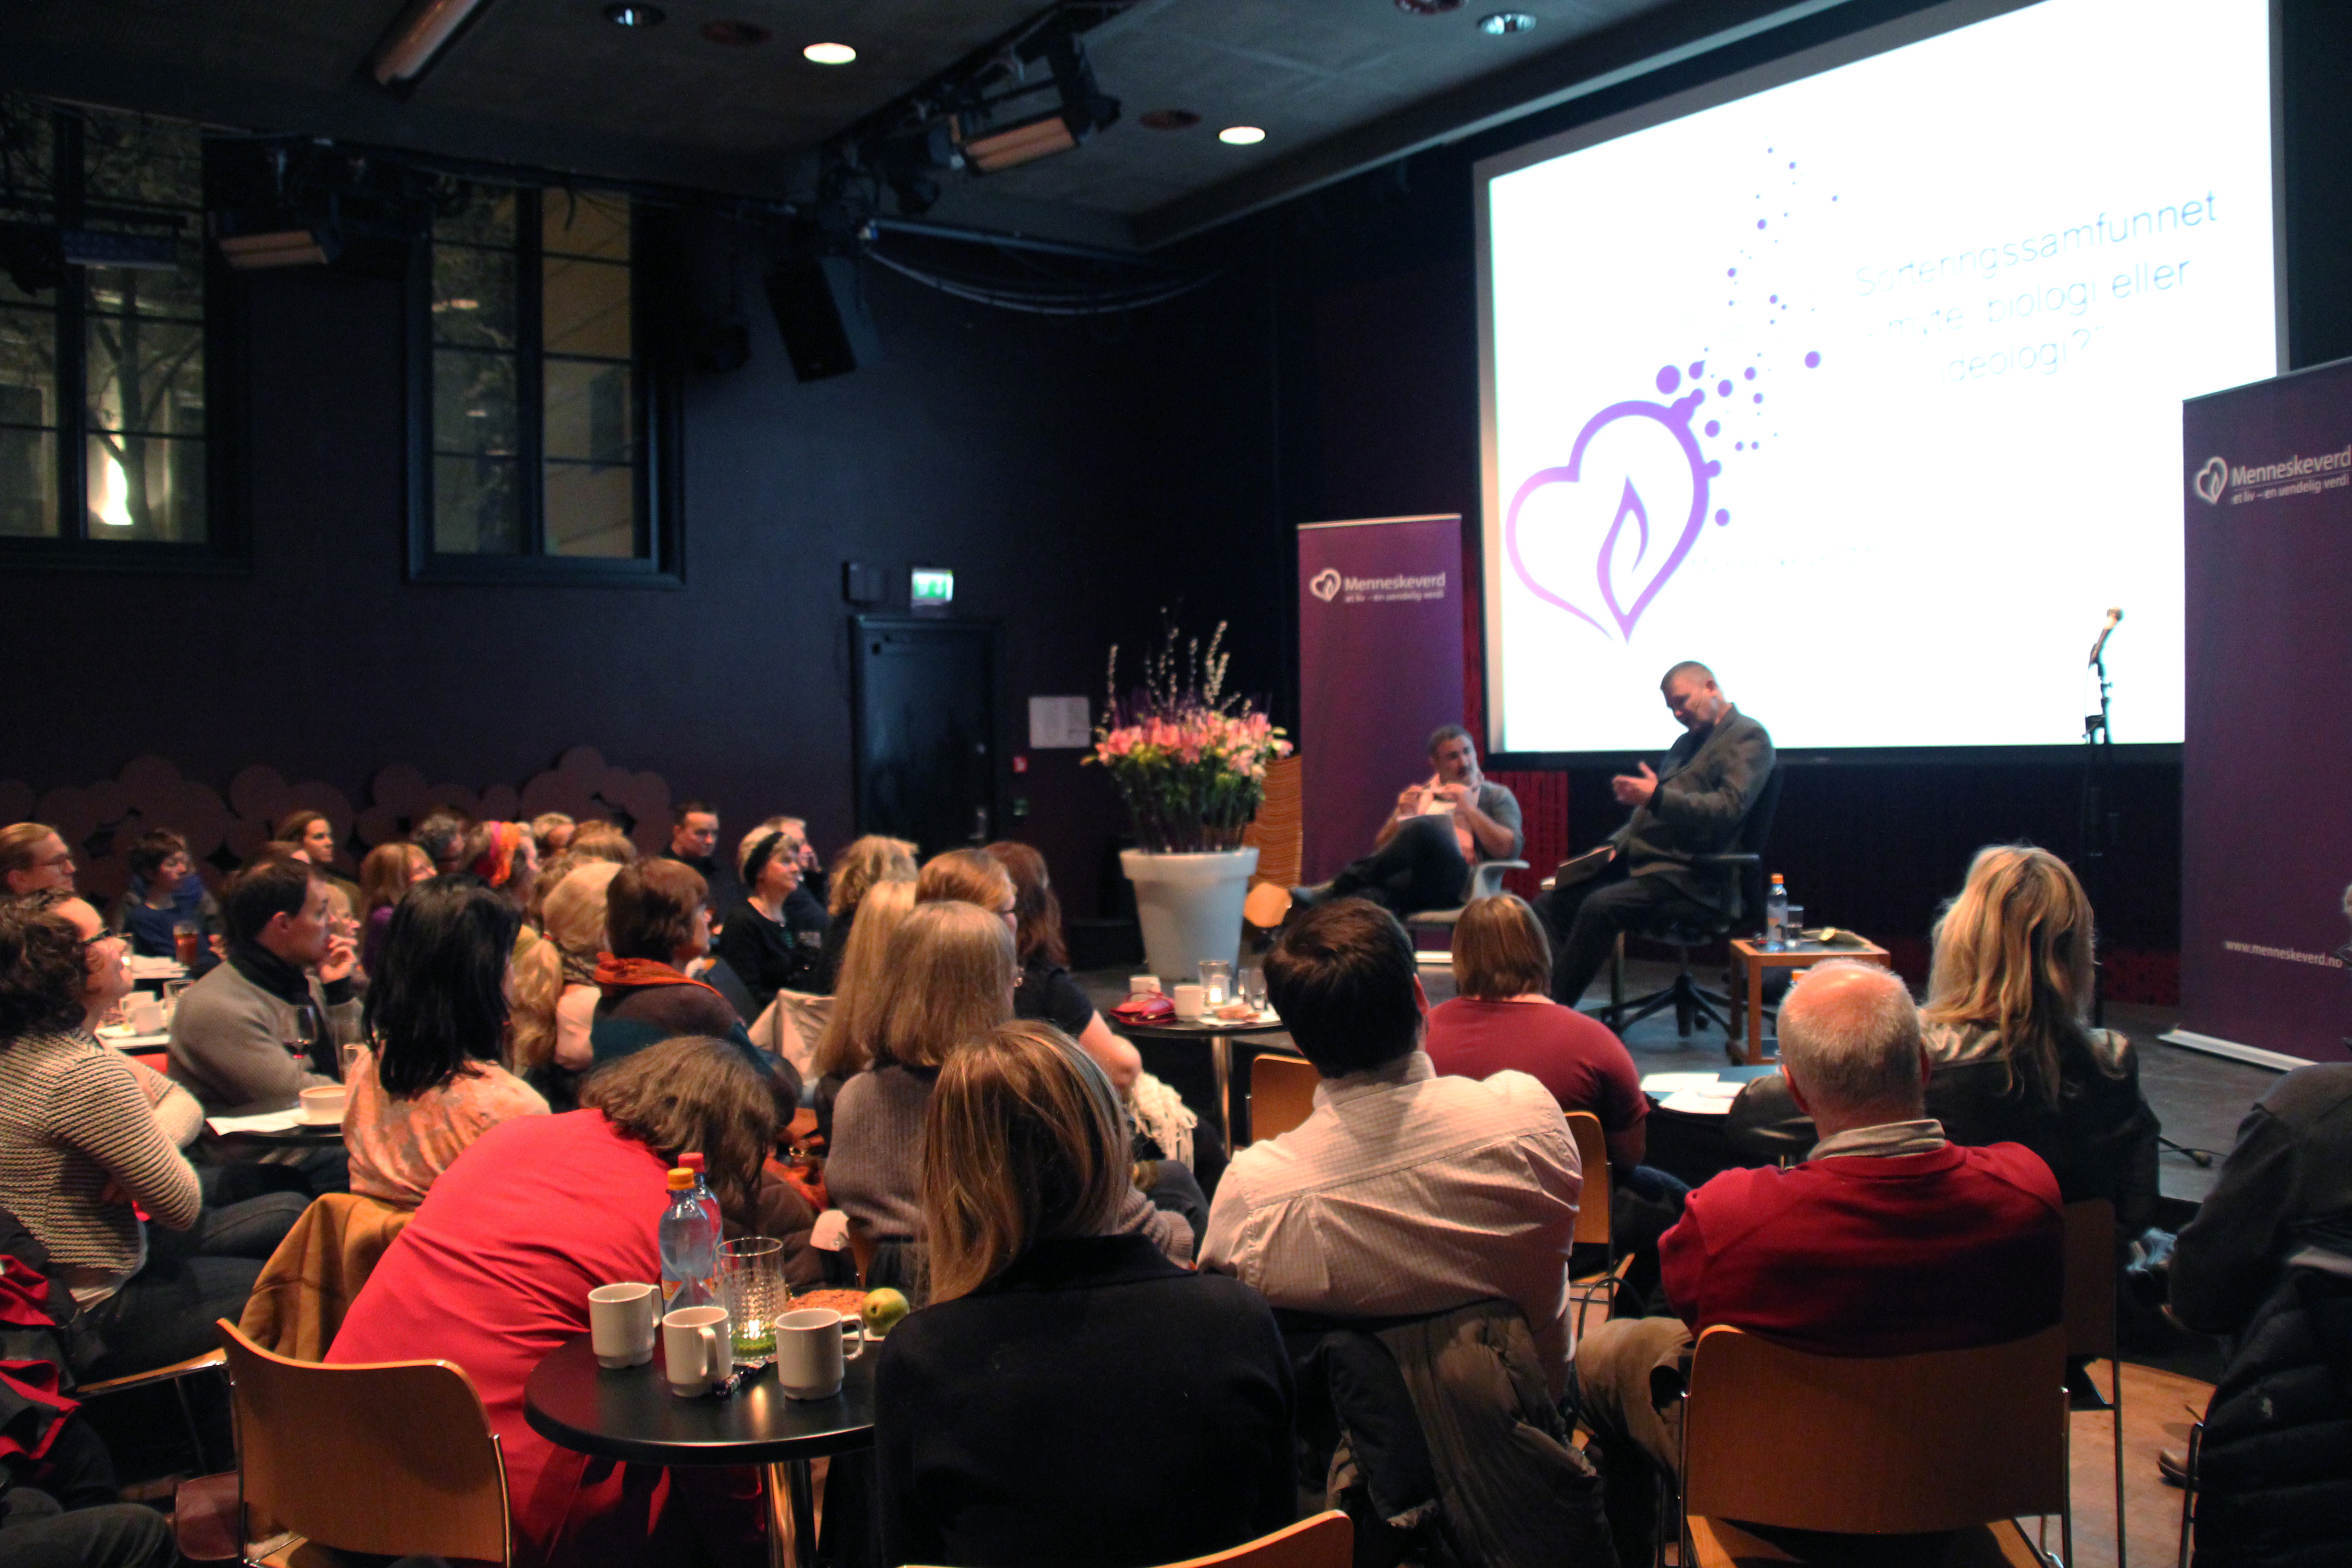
(883, 1309)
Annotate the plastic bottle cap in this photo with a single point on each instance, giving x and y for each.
(681, 1180)
(692, 1162)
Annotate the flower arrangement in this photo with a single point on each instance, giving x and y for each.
(1189, 759)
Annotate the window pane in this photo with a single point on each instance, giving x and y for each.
(145, 376)
(583, 308)
(28, 368)
(474, 407)
(486, 218)
(476, 506)
(472, 296)
(179, 294)
(591, 510)
(28, 481)
(143, 488)
(583, 224)
(148, 163)
(588, 412)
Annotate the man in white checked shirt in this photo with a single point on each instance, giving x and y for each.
(1405, 1192)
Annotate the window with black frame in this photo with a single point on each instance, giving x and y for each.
(107, 438)
(534, 404)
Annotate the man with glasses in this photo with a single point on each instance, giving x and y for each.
(33, 859)
(270, 1022)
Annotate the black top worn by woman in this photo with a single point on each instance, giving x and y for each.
(768, 955)
(1092, 1406)
(1045, 991)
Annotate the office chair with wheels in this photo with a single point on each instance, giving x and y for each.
(1738, 872)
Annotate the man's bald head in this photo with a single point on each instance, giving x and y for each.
(1850, 1043)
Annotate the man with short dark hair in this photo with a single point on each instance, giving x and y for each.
(1420, 859)
(1403, 1193)
(1693, 804)
(271, 1021)
(694, 841)
(1888, 1240)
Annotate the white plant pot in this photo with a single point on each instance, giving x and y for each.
(1189, 907)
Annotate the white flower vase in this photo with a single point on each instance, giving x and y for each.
(1189, 907)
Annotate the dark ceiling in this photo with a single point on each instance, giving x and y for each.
(1337, 86)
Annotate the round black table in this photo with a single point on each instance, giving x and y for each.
(630, 1414)
(1221, 1034)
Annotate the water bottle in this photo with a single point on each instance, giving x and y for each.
(702, 1190)
(689, 1249)
(1776, 916)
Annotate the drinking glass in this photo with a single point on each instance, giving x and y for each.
(187, 942)
(752, 1287)
(1796, 924)
(1216, 981)
(1254, 988)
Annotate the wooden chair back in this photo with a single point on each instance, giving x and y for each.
(396, 1459)
(1278, 832)
(2090, 1298)
(1592, 1150)
(1891, 1444)
(1281, 1095)
(1325, 1540)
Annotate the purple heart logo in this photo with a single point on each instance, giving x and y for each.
(1618, 571)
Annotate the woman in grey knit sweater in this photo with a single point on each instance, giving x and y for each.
(949, 980)
(86, 1133)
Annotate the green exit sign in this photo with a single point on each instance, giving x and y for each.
(931, 587)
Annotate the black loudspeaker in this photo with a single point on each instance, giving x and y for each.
(821, 311)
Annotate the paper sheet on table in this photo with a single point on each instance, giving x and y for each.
(267, 1121)
(1691, 1103)
(1678, 1082)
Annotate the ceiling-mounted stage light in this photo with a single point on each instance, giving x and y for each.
(1019, 143)
(283, 248)
(415, 40)
(988, 148)
(132, 252)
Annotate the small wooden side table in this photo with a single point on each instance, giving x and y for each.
(1753, 961)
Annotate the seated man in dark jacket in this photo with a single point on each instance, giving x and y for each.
(1693, 804)
(1888, 1240)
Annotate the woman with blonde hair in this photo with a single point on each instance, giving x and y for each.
(846, 1047)
(948, 982)
(867, 864)
(1047, 1320)
(385, 877)
(555, 984)
(2012, 1056)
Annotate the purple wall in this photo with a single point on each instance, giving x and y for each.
(2267, 844)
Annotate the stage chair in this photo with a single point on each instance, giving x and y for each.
(1592, 1217)
(1740, 870)
(1325, 1541)
(1486, 881)
(396, 1459)
(1966, 1440)
(1281, 1095)
(2090, 1313)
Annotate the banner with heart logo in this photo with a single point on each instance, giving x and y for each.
(1380, 665)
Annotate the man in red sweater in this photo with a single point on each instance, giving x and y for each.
(1887, 1240)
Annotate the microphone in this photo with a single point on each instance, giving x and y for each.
(2106, 631)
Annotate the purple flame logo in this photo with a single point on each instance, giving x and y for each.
(1624, 591)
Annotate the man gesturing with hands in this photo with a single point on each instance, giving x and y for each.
(1421, 859)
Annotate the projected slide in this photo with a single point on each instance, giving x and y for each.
(1865, 388)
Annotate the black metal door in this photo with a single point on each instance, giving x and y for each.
(925, 706)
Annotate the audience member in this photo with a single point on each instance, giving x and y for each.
(2011, 1055)
(442, 835)
(693, 843)
(657, 923)
(385, 877)
(505, 856)
(241, 1035)
(165, 893)
(846, 1047)
(552, 832)
(33, 859)
(597, 843)
(428, 1081)
(312, 835)
(494, 1271)
(1403, 1193)
(776, 944)
(555, 984)
(602, 840)
(1422, 857)
(1154, 1404)
(948, 980)
(89, 1142)
(856, 870)
(813, 873)
(1888, 1240)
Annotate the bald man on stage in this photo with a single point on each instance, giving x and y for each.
(1691, 804)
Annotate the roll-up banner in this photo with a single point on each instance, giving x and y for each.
(1380, 667)
(2266, 838)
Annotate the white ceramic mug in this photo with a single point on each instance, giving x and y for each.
(1143, 986)
(621, 1322)
(1191, 999)
(323, 1106)
(696, 1354)
(809, 1355)
(146, 1017)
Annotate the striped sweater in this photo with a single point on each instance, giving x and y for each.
(74, 1115)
